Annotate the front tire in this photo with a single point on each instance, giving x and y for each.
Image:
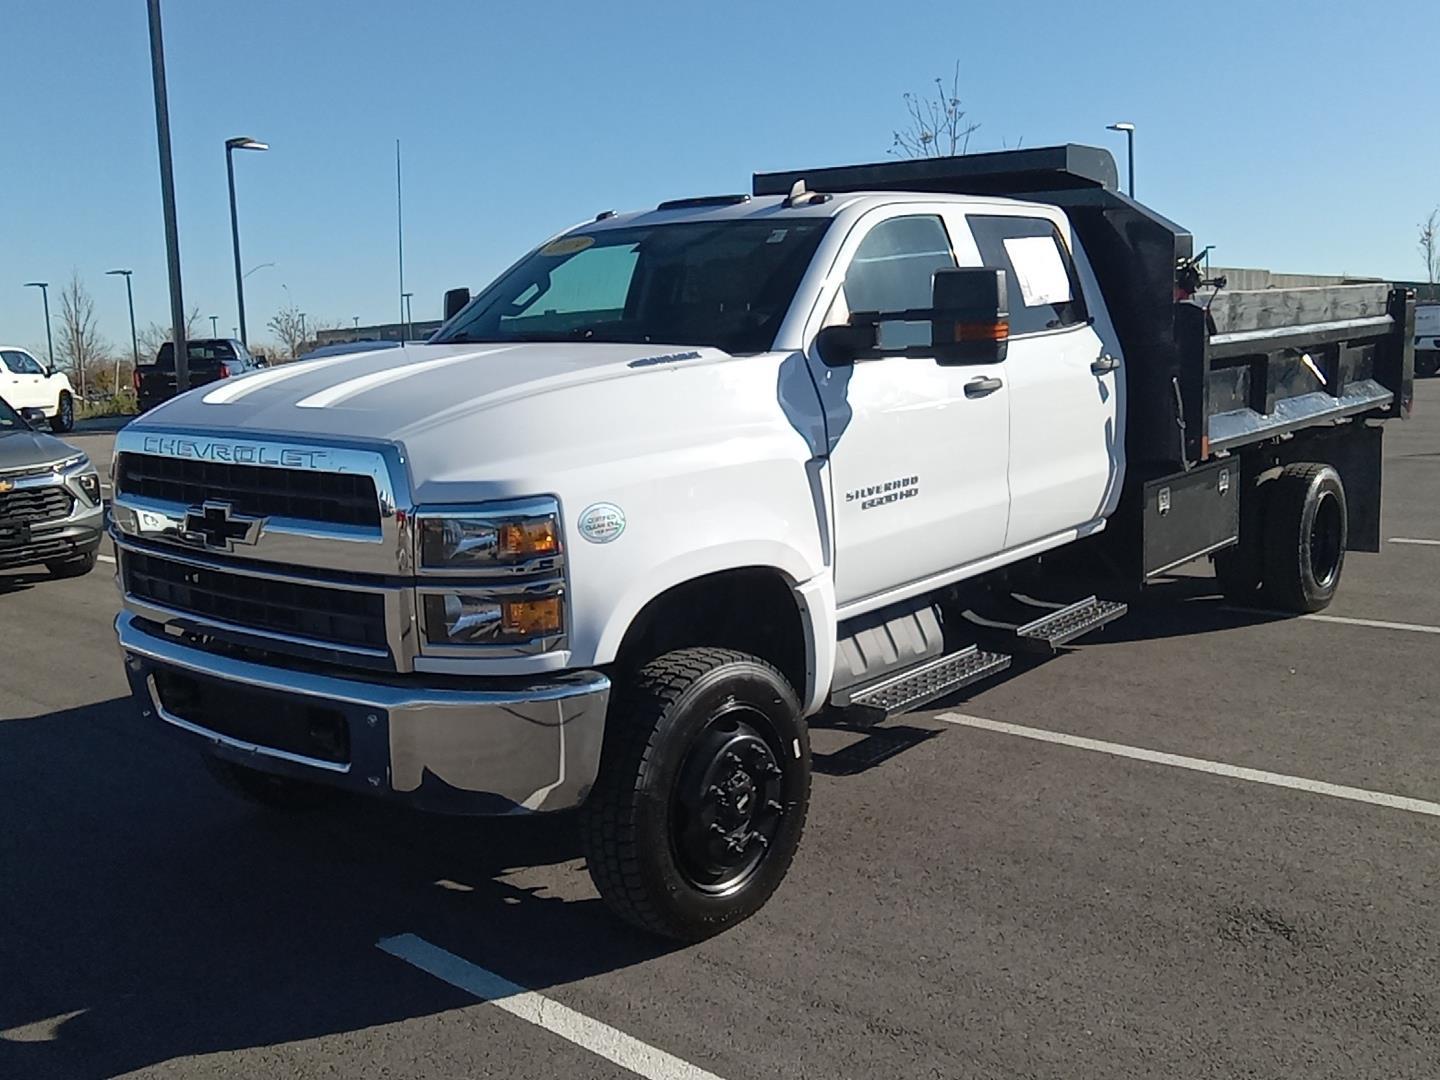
(64, 419)
(703, 790)
(1306, 531)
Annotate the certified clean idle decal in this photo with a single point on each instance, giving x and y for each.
(602, 522)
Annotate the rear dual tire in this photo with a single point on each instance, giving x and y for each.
(1292, 552)
(64, 419)
(703, 790)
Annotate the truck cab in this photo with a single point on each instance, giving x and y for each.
(682, 479)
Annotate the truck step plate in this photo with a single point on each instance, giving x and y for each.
(934, 679)
(1067, 624)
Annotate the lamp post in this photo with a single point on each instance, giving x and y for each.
(44, 287)
(134, 341)
(304, 334)
(167, 197)
(409, 322)
(1129, 130)
(214, 326)
(242, 142)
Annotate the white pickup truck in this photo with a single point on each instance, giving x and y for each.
(680, 479)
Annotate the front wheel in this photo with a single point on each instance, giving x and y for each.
(64, 418)
(702, 794)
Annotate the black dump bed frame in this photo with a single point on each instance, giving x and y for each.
(1344, 352)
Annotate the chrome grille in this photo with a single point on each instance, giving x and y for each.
(333, 498)
(315, 612)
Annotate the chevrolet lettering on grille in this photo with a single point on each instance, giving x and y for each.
(216, 526)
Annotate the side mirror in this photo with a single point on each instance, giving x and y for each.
(970, 323)
(842, 345)
(34, 417)
(455, 301)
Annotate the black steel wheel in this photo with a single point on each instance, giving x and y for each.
(1306, 532)
(703, 789)
(64, 418)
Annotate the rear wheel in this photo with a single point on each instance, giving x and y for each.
(1306, 531)
(272, 792)
(703, 789)
(64, 418)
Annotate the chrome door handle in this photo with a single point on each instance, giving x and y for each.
(1103, 365)
(981, 387)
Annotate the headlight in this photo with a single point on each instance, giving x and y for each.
(90, 485)
(480, 618)
(499, 538)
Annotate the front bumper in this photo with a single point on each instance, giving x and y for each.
(56, 541)
(487, 747)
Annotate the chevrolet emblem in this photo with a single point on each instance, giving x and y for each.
(216, 526)
(6, 485)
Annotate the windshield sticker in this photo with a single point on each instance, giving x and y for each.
(601, 522)
(777, 236)
(567, 245)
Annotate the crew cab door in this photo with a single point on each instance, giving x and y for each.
(23, 385)
(1064, 377)
(918, 450)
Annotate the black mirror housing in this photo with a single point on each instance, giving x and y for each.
(843, 344)
(455, 301)
(971, 321)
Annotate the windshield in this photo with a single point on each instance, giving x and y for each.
(10, 419)
(727, 284)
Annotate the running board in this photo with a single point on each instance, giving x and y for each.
(1049, 632)
(933, 679)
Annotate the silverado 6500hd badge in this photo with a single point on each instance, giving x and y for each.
(907, 487)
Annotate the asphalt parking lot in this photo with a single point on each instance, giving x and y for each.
(1012, 885)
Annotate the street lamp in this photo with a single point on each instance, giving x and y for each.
(214, 326)
(1129, 130)
(44, 287)
(409, 322)
(304, 334)
(231, 145)
(134, 341)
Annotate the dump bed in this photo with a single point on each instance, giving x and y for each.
(1273, 362)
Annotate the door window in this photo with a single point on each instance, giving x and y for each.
(893, 270)
(1044, 290)
(23, 364)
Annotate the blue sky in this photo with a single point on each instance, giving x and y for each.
(1295, 136)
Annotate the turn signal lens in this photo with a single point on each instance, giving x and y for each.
(531, 618)
(527, 539)
(982, 331)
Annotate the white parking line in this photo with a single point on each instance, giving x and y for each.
(600, 1039)
(106, 558)
(1343, 620)
(1216, 768)
(1409, 540)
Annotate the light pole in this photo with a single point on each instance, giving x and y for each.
(242, 142)
(167, 198)
(1129, 130)
(134, 341)
(214, 326)
(44, 287)
(304, 334)
(356, 320)
(409, 323)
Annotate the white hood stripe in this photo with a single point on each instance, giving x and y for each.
(235, 389)
(353, 387)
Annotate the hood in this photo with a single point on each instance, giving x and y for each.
(390, 393)
(21, 448)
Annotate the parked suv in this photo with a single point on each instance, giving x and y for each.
(28, 384)
(50, 506)
(210, 359)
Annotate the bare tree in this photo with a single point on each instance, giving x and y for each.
(154, 335)
(935, 125)
(288, 324)
(81, 347)
(1430, 245)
